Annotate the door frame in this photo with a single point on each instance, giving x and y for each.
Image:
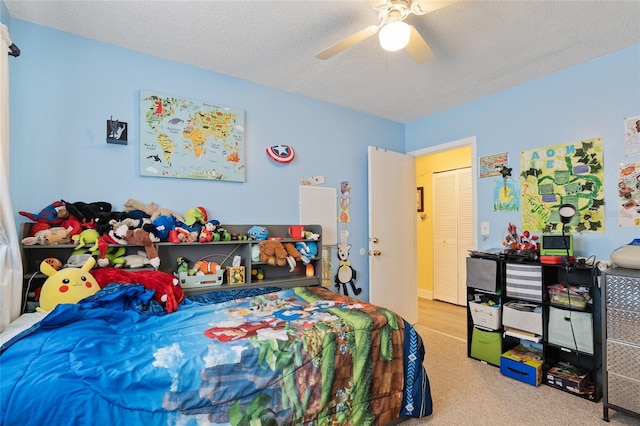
(469, 141)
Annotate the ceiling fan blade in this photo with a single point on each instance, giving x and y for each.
(348, 42)
(418, 48)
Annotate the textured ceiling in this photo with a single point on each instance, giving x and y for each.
(481, 47)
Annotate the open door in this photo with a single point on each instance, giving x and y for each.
(392, 239)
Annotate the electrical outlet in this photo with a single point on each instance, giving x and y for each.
(484, 228)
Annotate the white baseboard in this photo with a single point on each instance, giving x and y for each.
(425, 294)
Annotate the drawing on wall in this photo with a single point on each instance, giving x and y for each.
(491, 164)
(632, 135)
(629, 194)
(191, 139)
(565, 173)
(506, 195)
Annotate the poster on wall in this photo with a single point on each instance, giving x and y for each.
(191, 139)
(632, 135)
(629, 194)
(506, 195)
(565, 173)
(491, 164)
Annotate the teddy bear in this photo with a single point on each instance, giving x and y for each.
(272, 252)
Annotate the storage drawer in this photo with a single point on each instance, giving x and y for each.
(523, 316)
(623, 293)
(564, 325)
(486, 346)
(522, 364)
(623, 359)
(485, 315)
(623, 326)
(524, 281)
(482, 273)
(624, 392)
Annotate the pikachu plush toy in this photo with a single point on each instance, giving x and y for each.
(67, 285)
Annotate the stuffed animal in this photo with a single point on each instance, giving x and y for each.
(167, 289)
(307, 250)
(88, 236)
(206, 233)
(51, 236)
(54, 214)
(293, 255)
(202, 267)
(114, 236)
(134, 261)
(258, 233)
(164, 224)
(140, 237)
(151, 209)
(274, 253)
(93, 215)
(196, 215)
(68, 285)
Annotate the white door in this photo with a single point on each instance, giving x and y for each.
(392, 234)
(452, 233)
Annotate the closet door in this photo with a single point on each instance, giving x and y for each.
(452, 234)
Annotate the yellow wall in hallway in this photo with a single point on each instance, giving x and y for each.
(425, 167)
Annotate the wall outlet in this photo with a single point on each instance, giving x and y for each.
(484, 228)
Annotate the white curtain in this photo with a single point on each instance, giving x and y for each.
(10, 259)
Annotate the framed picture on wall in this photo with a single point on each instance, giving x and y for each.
(420, 199)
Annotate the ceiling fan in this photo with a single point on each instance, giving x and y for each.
(394, 33)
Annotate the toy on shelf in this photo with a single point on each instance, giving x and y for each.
(525, 246)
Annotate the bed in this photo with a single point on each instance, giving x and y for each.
(258, 356)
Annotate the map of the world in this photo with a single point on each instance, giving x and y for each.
(187, 138)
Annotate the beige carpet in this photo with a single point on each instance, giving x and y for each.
(468, 392)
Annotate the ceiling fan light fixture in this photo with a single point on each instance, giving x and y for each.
(394, 36)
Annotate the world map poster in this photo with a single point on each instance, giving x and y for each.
(191, 139)
(569, 173)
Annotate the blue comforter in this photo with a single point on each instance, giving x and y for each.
(287, 357)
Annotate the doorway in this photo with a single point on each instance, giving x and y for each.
(452, 155)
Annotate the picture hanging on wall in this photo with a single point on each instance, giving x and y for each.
(565, 173)
(506, 195)
(190, 139)
(632, 135)
(491, 164)
(629, 194)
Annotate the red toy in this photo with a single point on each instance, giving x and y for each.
(168, 290)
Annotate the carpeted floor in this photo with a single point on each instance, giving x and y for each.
(468, 392)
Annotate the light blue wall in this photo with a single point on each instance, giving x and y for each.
(63, 88)
(586, 101)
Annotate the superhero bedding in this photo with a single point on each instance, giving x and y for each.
(295, 356)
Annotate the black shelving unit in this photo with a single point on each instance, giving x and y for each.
(587, 357)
